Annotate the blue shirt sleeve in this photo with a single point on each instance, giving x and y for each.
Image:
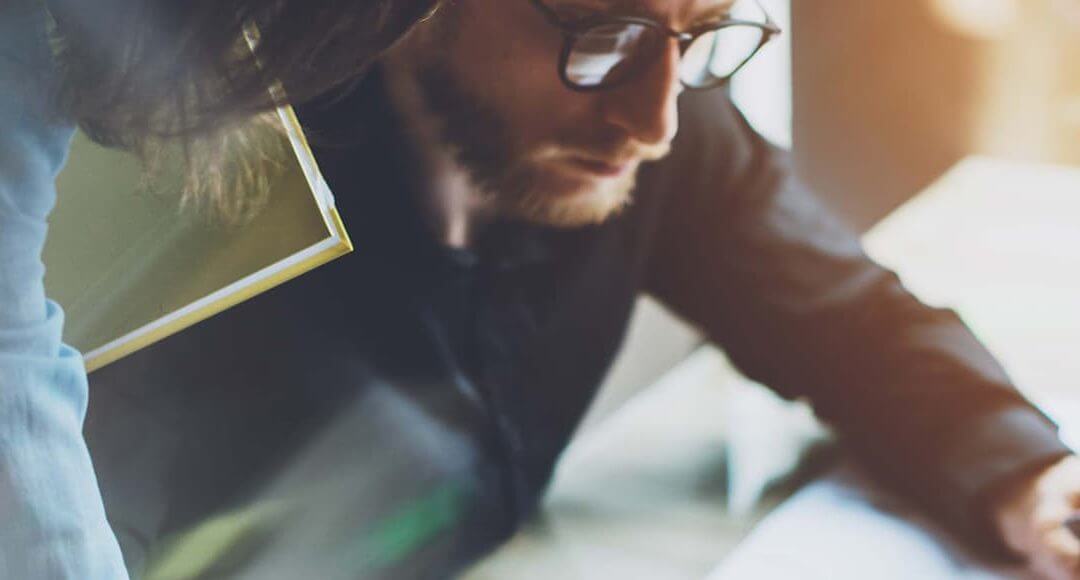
(52, 522)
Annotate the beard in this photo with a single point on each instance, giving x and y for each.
(510, 178)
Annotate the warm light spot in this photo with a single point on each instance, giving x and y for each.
(1071, 112)
(980, 18)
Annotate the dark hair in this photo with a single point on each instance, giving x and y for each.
(136, 73)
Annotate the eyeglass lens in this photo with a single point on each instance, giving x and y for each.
(609, 53)
(718, 54)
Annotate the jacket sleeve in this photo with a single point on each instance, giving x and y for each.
(749, 254)
(52, 524)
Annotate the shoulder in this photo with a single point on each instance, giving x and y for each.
(717, 158)
(33, 138)
(28, 69)
(709, 147)
(714, 140)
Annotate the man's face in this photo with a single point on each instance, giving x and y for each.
(488, 71)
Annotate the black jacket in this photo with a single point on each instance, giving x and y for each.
(469, 370)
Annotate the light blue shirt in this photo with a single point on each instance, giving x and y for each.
(52, 522)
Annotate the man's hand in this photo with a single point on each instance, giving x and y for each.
(1031, 517)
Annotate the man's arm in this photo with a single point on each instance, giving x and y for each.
(752, 256)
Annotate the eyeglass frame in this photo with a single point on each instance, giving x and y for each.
(574, 30)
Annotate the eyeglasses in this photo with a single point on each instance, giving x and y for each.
(602, 52)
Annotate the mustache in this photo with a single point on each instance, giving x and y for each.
(617, 147)
(616, 153)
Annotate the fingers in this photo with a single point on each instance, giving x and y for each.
(1057, 550)
(1058, 555)
(1035, 519)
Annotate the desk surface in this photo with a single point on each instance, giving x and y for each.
(842, 528)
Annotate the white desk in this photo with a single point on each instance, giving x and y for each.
(842, 528)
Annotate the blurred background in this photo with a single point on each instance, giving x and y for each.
(888, 95)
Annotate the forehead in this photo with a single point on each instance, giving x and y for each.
(670, 11)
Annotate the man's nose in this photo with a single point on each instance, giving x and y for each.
(646, 107)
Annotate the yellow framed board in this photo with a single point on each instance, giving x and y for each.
(130, 266)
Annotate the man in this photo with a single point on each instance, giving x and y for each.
(513, 178)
